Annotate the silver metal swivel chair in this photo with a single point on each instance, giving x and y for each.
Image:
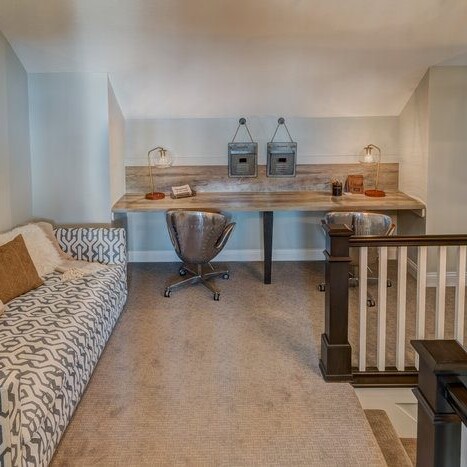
(364, 224)
(198, 237)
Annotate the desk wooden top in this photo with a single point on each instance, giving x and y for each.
(271, 201)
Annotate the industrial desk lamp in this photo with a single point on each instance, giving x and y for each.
(369, 158)
(162, 161)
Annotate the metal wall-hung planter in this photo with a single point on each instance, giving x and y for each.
(282, 157)
(243, 157)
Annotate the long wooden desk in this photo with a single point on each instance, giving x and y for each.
(267, 203)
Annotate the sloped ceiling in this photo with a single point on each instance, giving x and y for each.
(208, 58)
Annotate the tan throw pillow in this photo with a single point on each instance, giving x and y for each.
(41, 249)
(17, 272)
(2, 307)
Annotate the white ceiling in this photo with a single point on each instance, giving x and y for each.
(200, 58)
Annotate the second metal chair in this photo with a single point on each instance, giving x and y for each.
(363, 224)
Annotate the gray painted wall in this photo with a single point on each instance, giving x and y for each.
(15, 164)
(70, 146)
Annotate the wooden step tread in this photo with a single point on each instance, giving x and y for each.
(410, 446)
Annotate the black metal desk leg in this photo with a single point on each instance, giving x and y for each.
(268, 221)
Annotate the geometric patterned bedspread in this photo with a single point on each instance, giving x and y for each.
(50, 341)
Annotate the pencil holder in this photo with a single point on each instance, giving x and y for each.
(336, 189)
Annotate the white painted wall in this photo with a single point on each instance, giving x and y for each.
(433, 147)
(5, 207)
(433, 156)
(70, 146)
(447, 164)
(194, 141)
(15, 169)
(116, 147)
(413, 143)
(197, 141)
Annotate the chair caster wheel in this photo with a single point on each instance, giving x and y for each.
(217, 296)
(167, 293)
(322, 287)
(225, 276)
(388, 283)
(370, 303)
(182, 271)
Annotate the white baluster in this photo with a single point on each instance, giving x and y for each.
(441, 294)
(382, 285)
(362, 284)
(460, 296)
(401, 306)
(421, 296)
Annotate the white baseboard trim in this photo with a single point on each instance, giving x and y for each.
(432, 277)
(167, 256)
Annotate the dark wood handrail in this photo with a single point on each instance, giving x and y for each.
(408, 240)
(456, 395)
(335, 362)
(442, 402)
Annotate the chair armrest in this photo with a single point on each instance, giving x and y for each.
(10, 419)
(391, 230)
(225, 236)
(105, 245)
(172, 233)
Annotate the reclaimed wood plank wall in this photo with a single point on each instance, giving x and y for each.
(214, 178)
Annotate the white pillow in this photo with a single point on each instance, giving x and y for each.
(43, 253)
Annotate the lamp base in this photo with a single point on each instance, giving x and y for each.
(155, 195)
(375, 193)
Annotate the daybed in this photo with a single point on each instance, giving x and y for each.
(50, 341)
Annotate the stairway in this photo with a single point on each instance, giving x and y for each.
(396, 451)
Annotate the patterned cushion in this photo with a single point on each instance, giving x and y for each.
(54, 335)
(105, 246)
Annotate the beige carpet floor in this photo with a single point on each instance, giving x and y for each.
(188, 381)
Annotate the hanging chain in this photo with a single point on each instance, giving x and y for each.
(280, 122)
(241, 122)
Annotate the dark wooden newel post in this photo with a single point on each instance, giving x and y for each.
(442, 363)
(335, 363)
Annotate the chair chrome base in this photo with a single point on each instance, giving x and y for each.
(198, 277)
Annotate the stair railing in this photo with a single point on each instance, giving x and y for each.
(336, 352)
